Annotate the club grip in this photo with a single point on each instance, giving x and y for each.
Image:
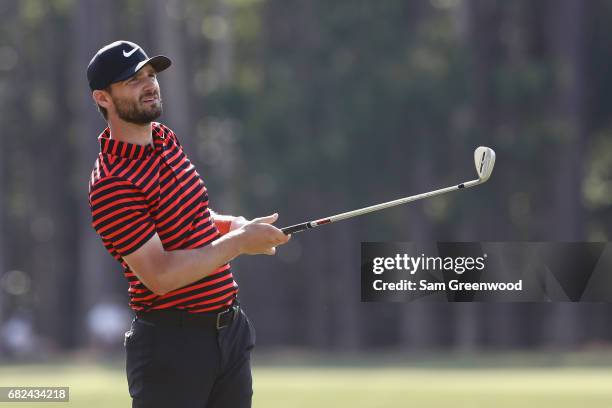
(296, 228)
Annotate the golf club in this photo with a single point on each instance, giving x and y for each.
(484, 159)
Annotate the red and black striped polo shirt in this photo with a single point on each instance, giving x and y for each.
(135, 191)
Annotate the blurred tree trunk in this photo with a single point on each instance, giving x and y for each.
(4, 107)
(64, 198)
(98, 272)
(13, 109)
(567, 36)
(317, 292)
(482, 19)
(568, 25)
(500, 320)
(45, 191)
(345, 295)
(3, 196)
(168, 39)
(220, 131)
(420, 321)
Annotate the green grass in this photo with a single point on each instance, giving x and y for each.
(393, 387)
(103, 385)
(93, 386)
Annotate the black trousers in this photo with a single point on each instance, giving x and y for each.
(189, 366)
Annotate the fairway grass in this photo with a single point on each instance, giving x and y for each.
(104, 385)
(393, 387)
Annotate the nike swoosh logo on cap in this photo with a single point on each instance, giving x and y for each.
(127, 54)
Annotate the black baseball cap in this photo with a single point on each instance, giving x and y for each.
(118, 61)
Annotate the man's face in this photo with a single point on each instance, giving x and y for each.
(137, 99)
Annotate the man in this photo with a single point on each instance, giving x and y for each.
(189, 345)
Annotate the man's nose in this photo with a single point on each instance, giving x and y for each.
(150, 85)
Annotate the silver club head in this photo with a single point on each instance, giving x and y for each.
(484, 158)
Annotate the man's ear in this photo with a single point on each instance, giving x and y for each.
(102, 98)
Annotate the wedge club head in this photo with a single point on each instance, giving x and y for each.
(484, 159)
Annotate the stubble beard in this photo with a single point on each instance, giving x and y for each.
(138, 112)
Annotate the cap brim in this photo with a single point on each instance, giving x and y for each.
(159, 63)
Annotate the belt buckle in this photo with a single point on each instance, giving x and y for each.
(219, 327)
(234, 310)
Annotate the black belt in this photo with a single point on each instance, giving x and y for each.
(178, 317)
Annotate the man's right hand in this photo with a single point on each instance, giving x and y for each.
(259, 236)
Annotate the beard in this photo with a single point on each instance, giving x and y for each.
(138, 112)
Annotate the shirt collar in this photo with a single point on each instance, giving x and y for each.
(129, 150)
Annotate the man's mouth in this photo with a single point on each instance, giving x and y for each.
(150, 99)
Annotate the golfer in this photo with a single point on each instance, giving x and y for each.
(190, 342)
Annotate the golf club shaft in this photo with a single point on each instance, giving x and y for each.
(355, 213)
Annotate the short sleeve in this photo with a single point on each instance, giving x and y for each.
(222, 226)
(120, 214)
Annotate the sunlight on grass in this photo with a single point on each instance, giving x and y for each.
(104, 386)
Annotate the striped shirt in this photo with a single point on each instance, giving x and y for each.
(136, 191)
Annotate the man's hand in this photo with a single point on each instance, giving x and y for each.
(259, 236)
(238, 222)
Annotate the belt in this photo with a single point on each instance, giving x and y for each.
(178, 317)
